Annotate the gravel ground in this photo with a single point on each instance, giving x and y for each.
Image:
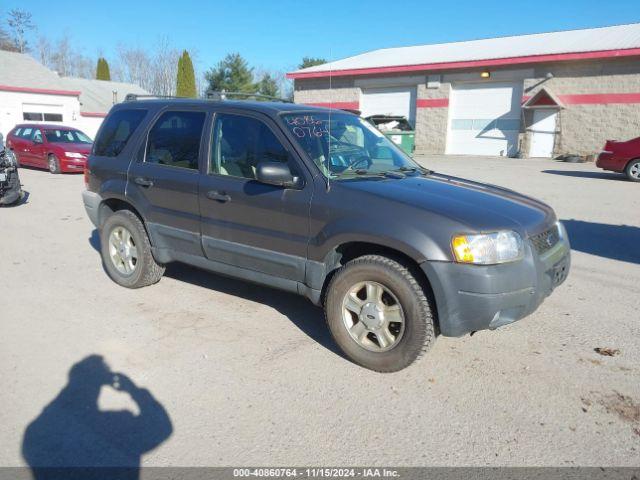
(250, 376)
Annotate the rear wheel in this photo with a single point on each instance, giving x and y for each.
(633, 170)
(126, 251)
(379, 314)
(54, 164)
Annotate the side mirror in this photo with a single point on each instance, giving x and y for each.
(37, 141)
(278, 174)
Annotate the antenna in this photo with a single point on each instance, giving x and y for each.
(329, 126)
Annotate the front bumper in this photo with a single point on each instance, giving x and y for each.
(72, 164)
(477, 297)
(91, 202)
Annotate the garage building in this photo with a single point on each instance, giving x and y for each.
(540, 95)
(30, 92)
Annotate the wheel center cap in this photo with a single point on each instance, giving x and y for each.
(371, 316)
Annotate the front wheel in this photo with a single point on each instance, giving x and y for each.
(54, 164)
(633, 170)
(126, 251)
(378, 313)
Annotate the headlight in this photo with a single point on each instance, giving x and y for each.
(488, 249)
(73, 155)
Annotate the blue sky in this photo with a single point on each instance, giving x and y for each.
(277, 34)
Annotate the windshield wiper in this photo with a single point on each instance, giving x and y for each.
(424, 171)
(358, 172)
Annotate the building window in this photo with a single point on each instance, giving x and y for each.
(52, 117)
(39, 117)
(32, 116)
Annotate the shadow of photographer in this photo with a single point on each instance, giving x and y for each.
(72, 438)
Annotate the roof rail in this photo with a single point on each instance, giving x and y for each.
(213, 95)
(222, 95)
(132, 97)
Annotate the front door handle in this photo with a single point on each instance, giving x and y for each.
(218, 196)
(143, 182)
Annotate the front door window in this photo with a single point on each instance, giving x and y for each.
(240, 143)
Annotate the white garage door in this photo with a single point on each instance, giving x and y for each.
(484, 119)
(39, 112)
(389, 101)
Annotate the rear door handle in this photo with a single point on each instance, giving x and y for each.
(144, 182)
(218, 196)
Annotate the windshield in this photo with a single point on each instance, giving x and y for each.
(66, 136)
(342, 144)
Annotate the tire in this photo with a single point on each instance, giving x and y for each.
(146, 271)
(13, 191)
(54, 164)
(633, 170)
(397, 282)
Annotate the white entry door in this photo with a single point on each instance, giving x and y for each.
(543, 133)
(389, 101)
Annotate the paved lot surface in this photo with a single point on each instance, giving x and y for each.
(249, 375)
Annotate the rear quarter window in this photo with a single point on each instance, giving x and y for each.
(116, 132)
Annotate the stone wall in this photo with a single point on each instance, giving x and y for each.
(583, 128)
(431, 122)
(316, 90)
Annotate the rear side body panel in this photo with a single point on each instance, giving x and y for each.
(616, 155)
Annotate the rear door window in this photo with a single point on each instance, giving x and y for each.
(117, 131)
(175, 140)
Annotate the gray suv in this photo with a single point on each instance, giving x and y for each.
(318, 202)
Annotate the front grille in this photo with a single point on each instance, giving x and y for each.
(546, 240)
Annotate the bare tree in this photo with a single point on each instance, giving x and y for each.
(133, 66)
(20, 23)
(43, 51)
(155, 70)
(165, 68)
(5, 41)
(62, 56)
(82, 66)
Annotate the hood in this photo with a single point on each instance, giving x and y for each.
(478, 206)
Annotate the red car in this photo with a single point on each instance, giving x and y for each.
(623, 157)
(54, 147)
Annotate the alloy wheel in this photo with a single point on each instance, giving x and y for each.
(123, 251)
(373, 316)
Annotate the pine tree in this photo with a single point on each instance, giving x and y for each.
(232, 74)
(102, 70)
(311, 62)
(186, 78)
(268, 86)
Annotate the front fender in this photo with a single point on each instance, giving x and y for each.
(401, 236)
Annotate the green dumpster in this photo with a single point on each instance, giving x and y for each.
(397, 129)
